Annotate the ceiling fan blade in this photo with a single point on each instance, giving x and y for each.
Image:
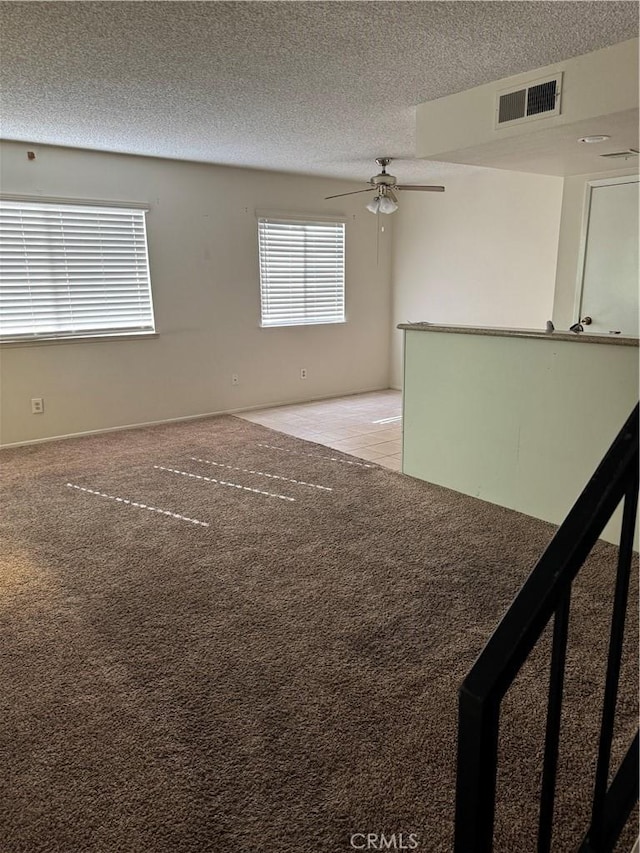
(353, 192)
(424, 189)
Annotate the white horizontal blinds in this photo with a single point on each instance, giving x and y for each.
(72, 270)
(301, 272)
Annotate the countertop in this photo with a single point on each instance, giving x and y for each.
(579, 337)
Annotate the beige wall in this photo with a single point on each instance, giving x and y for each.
(204, 267)
(572, 229)
(482, 253)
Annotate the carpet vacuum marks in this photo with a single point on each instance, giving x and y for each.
(216, 637)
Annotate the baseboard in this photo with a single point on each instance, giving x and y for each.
(144, 424)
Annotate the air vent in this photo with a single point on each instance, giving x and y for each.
(538, 99)
(541, 98)
(621, 155)
(512, 106)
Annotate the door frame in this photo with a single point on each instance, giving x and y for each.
(584, 234)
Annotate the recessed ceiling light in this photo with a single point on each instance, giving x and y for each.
(590, 140)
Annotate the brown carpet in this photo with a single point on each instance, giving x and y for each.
(279, 679)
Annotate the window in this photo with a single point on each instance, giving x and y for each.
(301, 272)
(72, 270)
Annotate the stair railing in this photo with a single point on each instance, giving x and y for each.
(546, 594)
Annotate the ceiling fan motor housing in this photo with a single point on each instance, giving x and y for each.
(383, 180)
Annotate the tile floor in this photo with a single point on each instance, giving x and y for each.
(368, 426)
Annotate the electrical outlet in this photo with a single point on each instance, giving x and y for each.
(235, 379)
(37, 405)
(303, 373)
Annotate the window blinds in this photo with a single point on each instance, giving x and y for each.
(301, 272)
(69, 269)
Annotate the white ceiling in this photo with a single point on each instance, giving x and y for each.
(310, 87)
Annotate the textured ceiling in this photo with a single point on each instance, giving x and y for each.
(311, 87)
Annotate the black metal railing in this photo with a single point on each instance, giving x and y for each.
(547, 593)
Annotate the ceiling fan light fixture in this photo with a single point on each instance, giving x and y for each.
(374, 204)
(381, 203)
(387, 205)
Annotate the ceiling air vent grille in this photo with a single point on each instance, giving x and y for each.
(621, 155)
(512, 106)
(538, 99)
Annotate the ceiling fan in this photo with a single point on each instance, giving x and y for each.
(385, 187)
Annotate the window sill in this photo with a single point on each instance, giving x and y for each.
(78, 339)
(302, 325)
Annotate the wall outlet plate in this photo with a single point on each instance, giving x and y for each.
(37, 405)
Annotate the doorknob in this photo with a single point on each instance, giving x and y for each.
(586, 321)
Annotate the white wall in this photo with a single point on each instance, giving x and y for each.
(572, 225)
(202, 235)
(483, 253)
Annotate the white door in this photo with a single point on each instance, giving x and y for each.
(610, 281)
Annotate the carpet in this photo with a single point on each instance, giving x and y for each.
(215, 637)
